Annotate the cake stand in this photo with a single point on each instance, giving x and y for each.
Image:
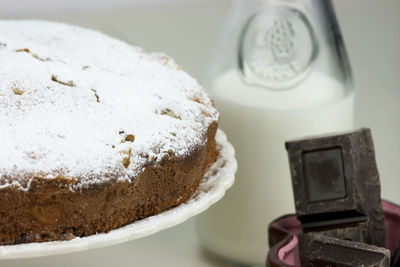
(212, 188)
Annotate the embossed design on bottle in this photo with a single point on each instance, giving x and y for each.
(277, 49)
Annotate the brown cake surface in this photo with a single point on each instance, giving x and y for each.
(95, 133)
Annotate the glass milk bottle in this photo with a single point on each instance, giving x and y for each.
(279, 71)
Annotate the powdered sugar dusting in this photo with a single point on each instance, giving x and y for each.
(77, 103)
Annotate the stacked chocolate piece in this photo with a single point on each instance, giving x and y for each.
(337, 198)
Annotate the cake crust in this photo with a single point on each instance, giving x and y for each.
(50, 211)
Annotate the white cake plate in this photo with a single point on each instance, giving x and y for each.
(212, 188)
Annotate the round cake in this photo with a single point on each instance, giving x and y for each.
(94, 133)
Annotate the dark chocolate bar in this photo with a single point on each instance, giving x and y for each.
(336, 186)
(395, 260)
(321, 250)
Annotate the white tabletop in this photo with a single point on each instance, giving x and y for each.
(186, 32)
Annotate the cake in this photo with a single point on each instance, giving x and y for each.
(95, 134)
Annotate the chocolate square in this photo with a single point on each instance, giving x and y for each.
(321, 250)
(324, 175)
(336, 186)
